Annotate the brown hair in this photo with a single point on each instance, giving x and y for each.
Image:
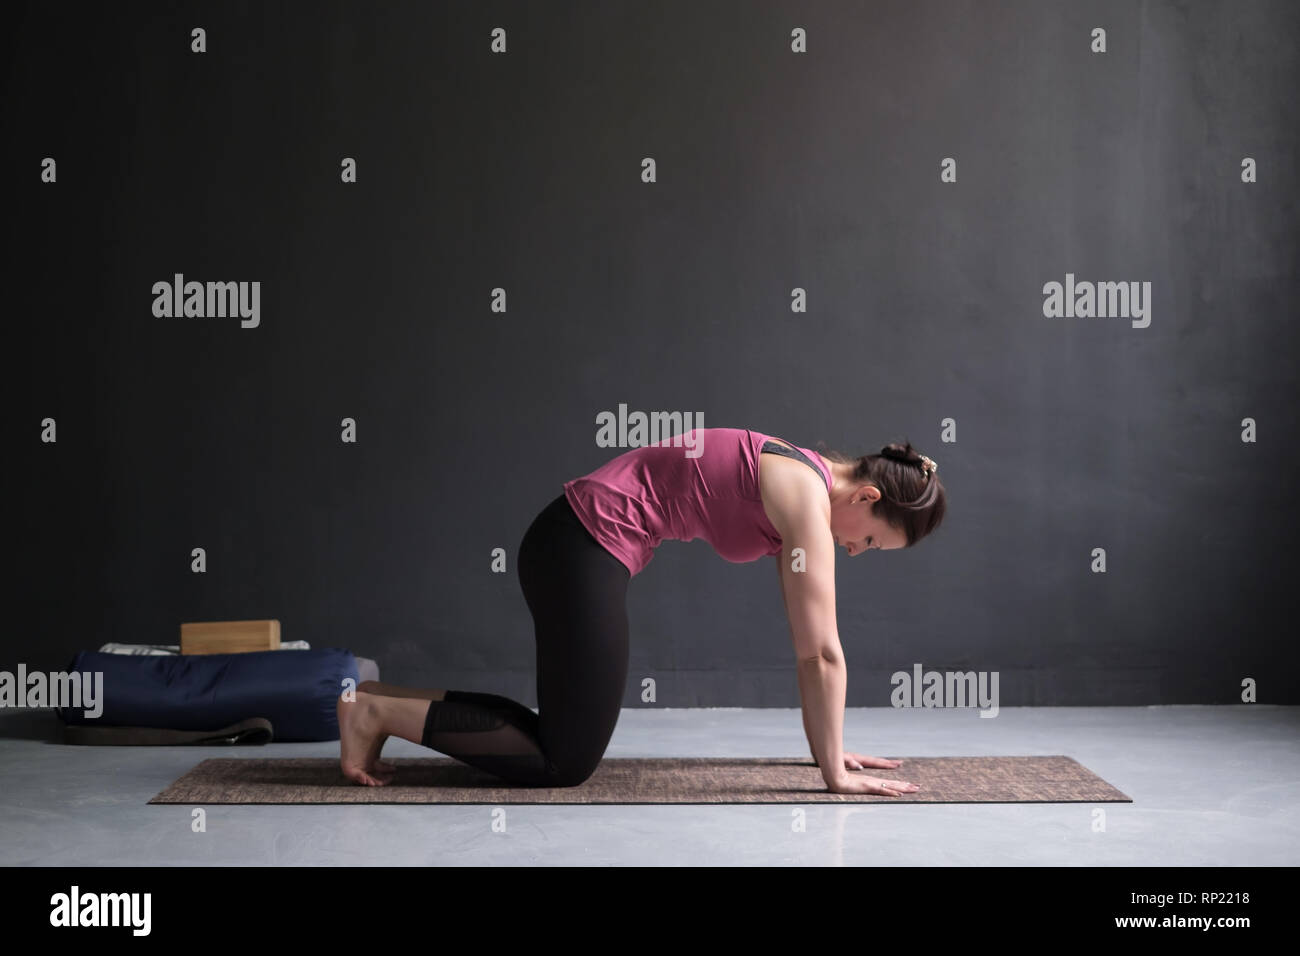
(909, 501)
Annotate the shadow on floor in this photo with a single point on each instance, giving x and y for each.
(23, 723)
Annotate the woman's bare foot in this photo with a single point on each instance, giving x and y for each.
(383, 766)
(361, 739)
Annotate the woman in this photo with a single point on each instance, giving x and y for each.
(749, 495)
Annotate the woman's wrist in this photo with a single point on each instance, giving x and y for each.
(833, 778)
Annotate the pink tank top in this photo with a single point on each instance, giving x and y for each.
(656, 492)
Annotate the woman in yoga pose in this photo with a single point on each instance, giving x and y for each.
(749, 495)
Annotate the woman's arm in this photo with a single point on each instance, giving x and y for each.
(780, 560)
(803, 521)
(796, 504)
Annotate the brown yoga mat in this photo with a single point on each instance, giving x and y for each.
(627, 780)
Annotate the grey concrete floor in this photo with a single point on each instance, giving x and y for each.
(1216, 786)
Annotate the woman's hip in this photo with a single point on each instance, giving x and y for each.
(562, 564)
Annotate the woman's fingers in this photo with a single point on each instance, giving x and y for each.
(879, 763)
(894, 788)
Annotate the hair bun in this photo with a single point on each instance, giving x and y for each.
(900, 451)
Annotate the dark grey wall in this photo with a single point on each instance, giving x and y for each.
(776, 170)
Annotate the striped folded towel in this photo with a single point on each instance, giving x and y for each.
(165, 649)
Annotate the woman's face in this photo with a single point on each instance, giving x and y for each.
(856, 529)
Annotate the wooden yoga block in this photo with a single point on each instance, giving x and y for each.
(229, 637)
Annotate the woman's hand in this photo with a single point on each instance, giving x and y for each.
(860, 783)
(859, 762)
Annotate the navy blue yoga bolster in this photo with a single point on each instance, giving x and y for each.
(297, 691)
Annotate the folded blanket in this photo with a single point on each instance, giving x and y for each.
(155, 649)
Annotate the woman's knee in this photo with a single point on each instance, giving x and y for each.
(571, 775)
(572, 766)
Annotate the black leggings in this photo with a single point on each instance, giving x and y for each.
(577, 593)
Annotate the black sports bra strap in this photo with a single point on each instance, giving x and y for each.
(776, 448)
